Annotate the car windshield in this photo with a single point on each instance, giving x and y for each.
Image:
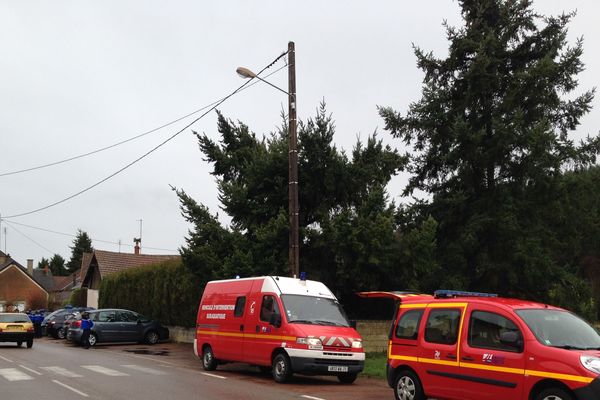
(313, 310)
(558, 328)
(14, 318)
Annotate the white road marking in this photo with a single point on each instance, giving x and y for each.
(30, 370)
(213, 375)
(6, 359)
(62, 371)
(311, 397)
(70, 388)
(104, 370)
(13, 374)
(145, 369)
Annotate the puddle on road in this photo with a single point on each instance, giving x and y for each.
(161, 352)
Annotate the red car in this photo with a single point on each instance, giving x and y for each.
(474, 346)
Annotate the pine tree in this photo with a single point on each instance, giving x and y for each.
(81, 244)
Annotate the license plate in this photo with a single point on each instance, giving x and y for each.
(337, 368)
(14, 328)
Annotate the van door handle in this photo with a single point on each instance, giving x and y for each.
(451, 356)
(467, 358)
(257, 328)
(242, 328)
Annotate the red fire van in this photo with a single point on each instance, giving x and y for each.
(284, 324)
(474, 346)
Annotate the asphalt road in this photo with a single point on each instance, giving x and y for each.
(54, 369)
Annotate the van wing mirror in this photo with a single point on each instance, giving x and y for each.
(275, 320)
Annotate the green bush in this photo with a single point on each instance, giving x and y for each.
(167, 292)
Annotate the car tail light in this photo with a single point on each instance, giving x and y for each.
(30, 329)
(76, 324)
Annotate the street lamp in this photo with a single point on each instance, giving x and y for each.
(294, 247)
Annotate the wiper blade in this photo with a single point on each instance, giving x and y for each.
(302, 321)
(569, 347)
(324, 322)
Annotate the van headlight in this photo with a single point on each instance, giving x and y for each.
(357, 344)
(591, 363)
(312, 342)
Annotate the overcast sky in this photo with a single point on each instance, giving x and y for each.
(76, 76)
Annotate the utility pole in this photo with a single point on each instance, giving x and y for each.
(293, 207)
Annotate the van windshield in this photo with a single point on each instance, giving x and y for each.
(313, 310)
(562, 329)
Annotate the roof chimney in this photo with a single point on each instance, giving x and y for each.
(30, 266)
(138, 245)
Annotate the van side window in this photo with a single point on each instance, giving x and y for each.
(408, 326)
(240, 304)
(486, 330)
(268, 307)
(442, 326)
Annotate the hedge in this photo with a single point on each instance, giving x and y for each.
(167, 292)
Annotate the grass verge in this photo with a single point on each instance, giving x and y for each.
(375, 365)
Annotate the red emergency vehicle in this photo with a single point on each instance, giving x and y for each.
(283, 324)
(474, 346)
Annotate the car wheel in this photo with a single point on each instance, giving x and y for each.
(151, 337)
(282, 368)
(347, 378)
(19, 344)
(60, 334)
(209, 362)
(407, 386)
(554, 394)
(93, 339)
(29, 343)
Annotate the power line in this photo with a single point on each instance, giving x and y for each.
(145, 154)
(74, 236)
(27, 237)
(51, 164)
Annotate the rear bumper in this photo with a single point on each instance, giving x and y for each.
(589, 392)
(74, 335)
(313, 362)
(16, 336)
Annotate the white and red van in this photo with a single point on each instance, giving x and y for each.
(287, 325)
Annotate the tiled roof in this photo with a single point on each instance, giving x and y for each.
(63, 282)
(44, 278)
(86, 259)
(110, 262)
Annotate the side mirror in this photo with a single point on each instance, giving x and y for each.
(353, 323)
(275, 320)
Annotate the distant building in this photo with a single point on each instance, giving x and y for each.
(23, 288)
(99, 264)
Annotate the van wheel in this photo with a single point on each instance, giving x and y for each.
(407, 386)
(282, 368)
(347, 378)
(60, 334)
(209, 363)
(554, 394)
(93, 339)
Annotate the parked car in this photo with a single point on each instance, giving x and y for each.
(117, 325)
(53, 323)
(69, 319)
(16, 327)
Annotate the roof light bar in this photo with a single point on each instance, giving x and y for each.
(459, 293)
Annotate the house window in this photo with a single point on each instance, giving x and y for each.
(2, 306)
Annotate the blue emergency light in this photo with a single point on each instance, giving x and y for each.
(446, 294)
(303, 275)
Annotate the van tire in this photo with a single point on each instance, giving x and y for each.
(347, 378)
(407, 386)
(282, 368)
(554, 394)
(209, 362)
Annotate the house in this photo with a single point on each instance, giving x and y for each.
(99, 264)
(20, 288)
